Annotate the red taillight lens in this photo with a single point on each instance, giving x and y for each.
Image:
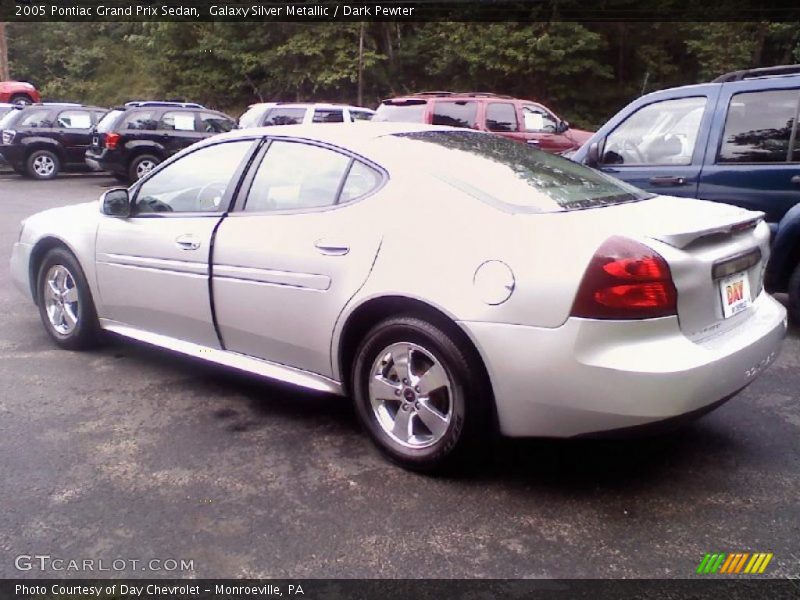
(626, 280)
(112, 139)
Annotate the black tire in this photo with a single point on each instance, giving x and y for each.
(134, 169)
(468, 400)
(794, 296)
(43, 164)
(21, 99)
(86, 332)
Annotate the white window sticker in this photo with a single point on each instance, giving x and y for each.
(184, 122)
(533, 121)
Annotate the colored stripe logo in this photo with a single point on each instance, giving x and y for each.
(734, 563)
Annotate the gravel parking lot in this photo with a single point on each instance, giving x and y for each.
(133, 453)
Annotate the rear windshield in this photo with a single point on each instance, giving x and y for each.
(107, 122)
(407, 111)
(506, 173)
(251, 117)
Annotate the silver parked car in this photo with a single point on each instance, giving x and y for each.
(452, 282)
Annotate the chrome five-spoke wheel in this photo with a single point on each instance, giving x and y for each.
(44, 166)
(143, 167)
(61, 299)
(411, 395)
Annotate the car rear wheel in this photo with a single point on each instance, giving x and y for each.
(43, 164)
(420, 397)
(794, 295)
(65, 302)
(23, 99)
(141, 166)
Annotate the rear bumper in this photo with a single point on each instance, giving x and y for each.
(104, 161)
(589, 376)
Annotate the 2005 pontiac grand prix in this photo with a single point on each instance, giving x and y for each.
(452, 282)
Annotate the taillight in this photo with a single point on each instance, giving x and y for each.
(626, 280)
(112, 139)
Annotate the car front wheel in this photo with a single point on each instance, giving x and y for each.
(65, 302)
(420, 397)
(43, 164)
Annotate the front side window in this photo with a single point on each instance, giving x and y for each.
(759, 126)
(662, 133)
(505, 173)
(458, 113)
(501, 116)
(75, 119)
(294, 176)
(214, 123)
(177, 121)
(285, 116)
(140, 120)
(194, 183)
(324, 115)
(538, 120)
(36, 118)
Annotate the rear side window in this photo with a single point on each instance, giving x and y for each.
(501, 116)
(324, 115)
(295, 176)
(108, 122)
(75, 119)
(214, 123)
(285, 116)
(36, 118)
(361, 180)
(455, 114)
(177, 121)
(759, 126)
(141, 120)
(406, 111)
(360, 115)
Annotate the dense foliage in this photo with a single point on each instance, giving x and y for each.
(584, 71)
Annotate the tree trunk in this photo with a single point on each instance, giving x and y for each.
(5, 72)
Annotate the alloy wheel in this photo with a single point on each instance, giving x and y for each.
(61, 299)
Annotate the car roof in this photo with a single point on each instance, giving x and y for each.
(424, 96)
(308, 104)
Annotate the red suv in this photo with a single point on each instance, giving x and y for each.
(521, 120)
(18, 92)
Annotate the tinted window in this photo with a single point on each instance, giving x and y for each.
(662, 133)
(75, 119)
(195, 182)
(501, 116)
(360, 115)
(285, 116)
(35, 118)
(505, 173)
(107, 123)
(295, 175)
(214, 123)
(538, 120)
(140, 119)
(758, 127)
(360, 181)
(456, 114)
(325, 115)
(409, 111)
(177, 121)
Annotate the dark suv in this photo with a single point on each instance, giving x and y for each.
(733, 140)
(520, 120)
(41, 140)
(132, 139)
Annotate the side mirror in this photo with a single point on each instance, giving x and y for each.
(562, 126)
(593, 155)
(116, 203)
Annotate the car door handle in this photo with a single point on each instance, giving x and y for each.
(187, 242)
(795, 180)
(331, 248)
(668, 180)
(533, 142)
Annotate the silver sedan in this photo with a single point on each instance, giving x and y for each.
(452, 282)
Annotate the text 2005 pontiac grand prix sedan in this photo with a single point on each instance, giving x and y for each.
(452, 282)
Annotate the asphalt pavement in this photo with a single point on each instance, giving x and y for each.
(130, 453)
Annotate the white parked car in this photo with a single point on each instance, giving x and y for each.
(450, 281)
(267, 114)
